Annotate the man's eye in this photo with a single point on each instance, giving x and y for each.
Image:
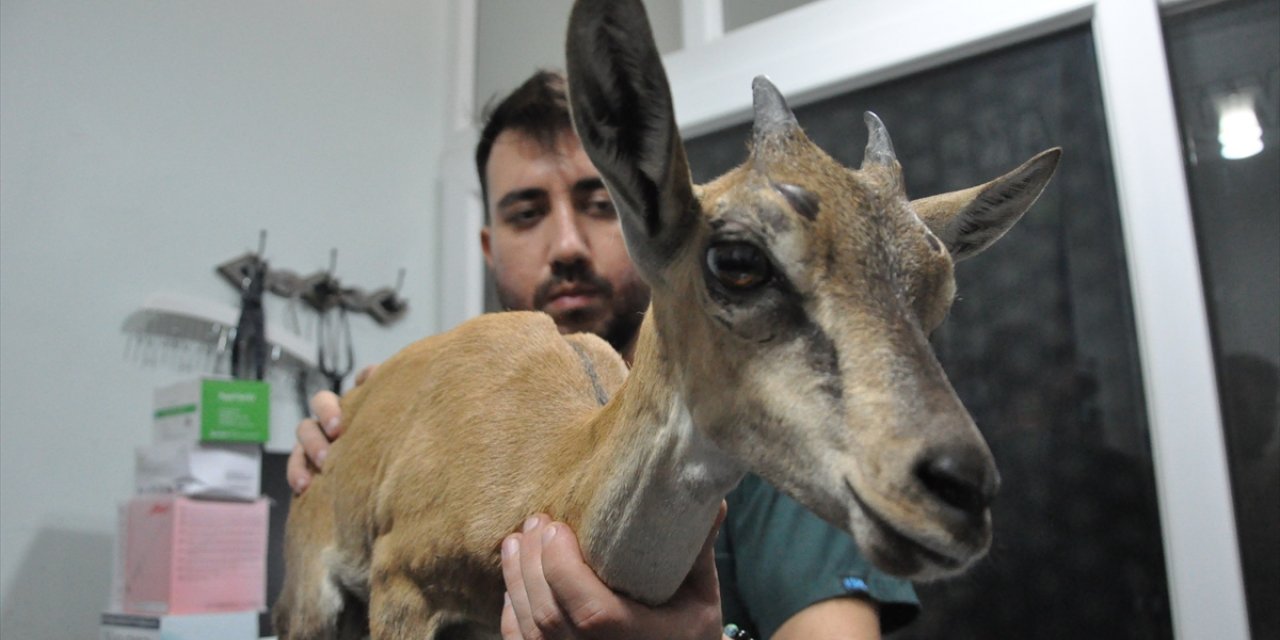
(523, 217)
(601, 207)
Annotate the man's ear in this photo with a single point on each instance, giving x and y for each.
(485, 246)
(622, 110)
(970, 220)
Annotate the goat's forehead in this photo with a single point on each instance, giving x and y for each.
(862, 223)
(758, 194)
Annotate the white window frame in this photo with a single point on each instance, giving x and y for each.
(460, 210)
(832, 46)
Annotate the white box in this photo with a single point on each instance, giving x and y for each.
(221, 471)
(240, 625)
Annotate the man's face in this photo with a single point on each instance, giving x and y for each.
(554, 242)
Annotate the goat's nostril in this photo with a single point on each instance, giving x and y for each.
(966, 483)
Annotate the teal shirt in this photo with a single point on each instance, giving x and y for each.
(775, 558)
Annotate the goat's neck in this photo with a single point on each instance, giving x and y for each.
(663, 484)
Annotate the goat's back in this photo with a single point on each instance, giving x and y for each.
(446, 448)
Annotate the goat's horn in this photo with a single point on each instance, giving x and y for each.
(772, 115)
(879, 146)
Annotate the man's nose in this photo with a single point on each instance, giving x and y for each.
(568, 245)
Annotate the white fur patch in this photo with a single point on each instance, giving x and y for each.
(660, 509)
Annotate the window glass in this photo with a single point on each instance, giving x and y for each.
(1040, 345)
(1225, 65)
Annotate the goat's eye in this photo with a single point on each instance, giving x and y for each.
(739, 265)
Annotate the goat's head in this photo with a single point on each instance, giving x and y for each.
(795, 297)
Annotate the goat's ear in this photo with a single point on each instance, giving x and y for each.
(623, 114)
(972, 219)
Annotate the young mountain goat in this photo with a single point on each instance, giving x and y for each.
(791, 303)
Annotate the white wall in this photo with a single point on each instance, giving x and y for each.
(516, 37)
(144, 143)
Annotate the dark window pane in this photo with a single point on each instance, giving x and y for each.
(1040, 345)
(1225, 65)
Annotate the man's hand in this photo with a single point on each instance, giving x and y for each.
(315, 434)
(552, 593)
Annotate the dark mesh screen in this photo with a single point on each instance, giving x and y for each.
(1040, 344)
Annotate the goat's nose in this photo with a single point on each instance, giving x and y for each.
(964, 480)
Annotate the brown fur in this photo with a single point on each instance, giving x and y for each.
(404, 462)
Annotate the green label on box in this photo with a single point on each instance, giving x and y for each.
(234, 411)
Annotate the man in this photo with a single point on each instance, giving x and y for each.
(554, 244)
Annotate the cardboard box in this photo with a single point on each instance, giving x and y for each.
(184, 556)
(219, 471)
(241, 625)
(213, 410)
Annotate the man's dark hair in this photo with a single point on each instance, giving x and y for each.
(539, 108)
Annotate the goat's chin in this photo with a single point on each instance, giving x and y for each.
(916, 553)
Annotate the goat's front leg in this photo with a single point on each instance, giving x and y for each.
(398, 607)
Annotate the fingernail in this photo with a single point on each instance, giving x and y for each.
(506, 599)
(548, 534)
(300, 485)
(510, 547)
(320, 458)
(332, 425)
(530, 524)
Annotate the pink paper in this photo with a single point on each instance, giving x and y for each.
(194, 556)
